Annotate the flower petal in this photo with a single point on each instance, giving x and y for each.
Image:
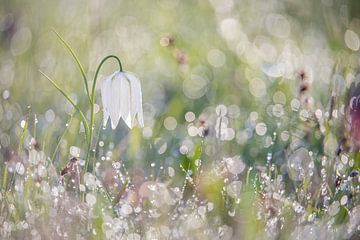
(136, 99)
(114, 101)
(125, 100)
(105, 97)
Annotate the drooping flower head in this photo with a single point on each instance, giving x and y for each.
(122, 98)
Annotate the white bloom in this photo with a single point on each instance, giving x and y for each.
(122, 98)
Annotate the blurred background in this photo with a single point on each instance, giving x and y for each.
(190, 58)
(227, 84)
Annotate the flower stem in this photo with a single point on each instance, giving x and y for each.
(92, 103)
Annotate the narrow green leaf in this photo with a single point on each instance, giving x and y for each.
(71, 101)
(5, 176)
(58, 143)
(77, 61)
(23, 134)
(121, 193)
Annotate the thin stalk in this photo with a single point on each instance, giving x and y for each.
(35, 123)
(77, 61)
(5, 177)
(94, 155)
(23, 134)
(5, 187)
(92, 103)
(58, 143)
(121, 193)
(83, 119)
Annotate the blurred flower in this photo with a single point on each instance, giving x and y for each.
(167, 41)
(354, 114)
(180, 56)
(122, 98)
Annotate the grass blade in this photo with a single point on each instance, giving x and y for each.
(5, 176)
(121, 193)
(77, 61)
(58, 143)
(71, 101)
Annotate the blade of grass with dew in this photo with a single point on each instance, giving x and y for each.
(23, 134)
(96, 145)
(34, 129)
(61, 137)
(71, 101)
(121, 193)
(77, 61)
(12, 179)
(5, 176)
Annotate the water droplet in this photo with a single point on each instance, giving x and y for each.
(334, 208)
(125, 210)
(90, 199)
(6, 94)
(231, 213)
(235, 165)
(82, 188)
(137, 209)
(197, 162)
(170, 123)
(298, 164)
(74, 151)
(116, 165)
(189, 116)
(352, 40)
(311, 217)
(261, 129)
(221, 110)
(343, 200)
(171, 171)
(234, 189)
(20, 169)
(344, 159)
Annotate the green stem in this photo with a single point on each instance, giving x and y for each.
(76, 60)
(83, 119)
(92, 103)
(5, 177)
(121, 193)
(96, 144)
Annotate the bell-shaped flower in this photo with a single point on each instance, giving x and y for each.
(122, 98)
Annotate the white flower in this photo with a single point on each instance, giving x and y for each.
(122, 98)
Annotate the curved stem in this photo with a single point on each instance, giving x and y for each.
(92, 103)
(97, 73)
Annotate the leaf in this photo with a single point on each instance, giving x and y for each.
(121, 193)
(70, 100)
(77, 61)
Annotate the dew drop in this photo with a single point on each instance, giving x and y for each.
(20, 169)
(343, 200)
(334, 208)
(125, 210)
(90, 199)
